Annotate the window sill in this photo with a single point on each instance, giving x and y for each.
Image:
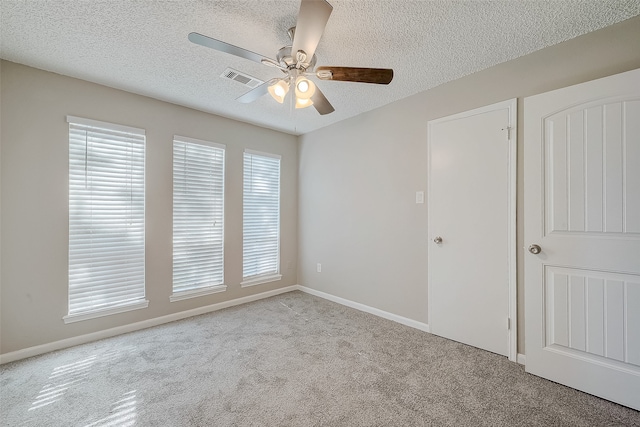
(71, 318)
(179, 296)
(260, 280)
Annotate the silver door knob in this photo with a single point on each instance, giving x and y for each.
(438, 240)
(535, 249)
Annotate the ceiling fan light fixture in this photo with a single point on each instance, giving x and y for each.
(305, 88)
(279, 90)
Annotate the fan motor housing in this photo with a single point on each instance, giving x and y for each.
(286, 59)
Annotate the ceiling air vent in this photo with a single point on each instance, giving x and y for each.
(243, 78)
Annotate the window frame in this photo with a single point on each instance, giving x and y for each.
(115, 308)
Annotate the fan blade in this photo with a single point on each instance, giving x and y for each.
(228, 48)
(381, 76)
(321, 103)
(312, 19)
(256, 92)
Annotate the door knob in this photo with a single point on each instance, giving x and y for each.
(535, 249)
(438, 240)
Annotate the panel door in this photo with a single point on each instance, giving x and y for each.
(468, 198)
(582, 207)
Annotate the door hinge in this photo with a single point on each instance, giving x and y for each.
(508, 129)
(508, 323)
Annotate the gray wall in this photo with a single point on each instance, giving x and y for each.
(34, 199)
(358, 178)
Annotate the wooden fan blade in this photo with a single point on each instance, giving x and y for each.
(321, 103)
(382, 76)
(256, 92)
(312, 19)
(228, 48)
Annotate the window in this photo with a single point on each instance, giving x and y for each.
(261, 218)
(198, 218)
(106, 219)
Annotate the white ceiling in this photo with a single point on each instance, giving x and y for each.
(142, 47)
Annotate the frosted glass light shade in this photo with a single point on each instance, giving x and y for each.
(303, 103)
(279, 90)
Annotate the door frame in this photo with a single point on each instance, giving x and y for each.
(511, 134)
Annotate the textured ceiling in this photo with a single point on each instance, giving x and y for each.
(142, 47)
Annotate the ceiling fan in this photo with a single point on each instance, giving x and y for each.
(297, 62)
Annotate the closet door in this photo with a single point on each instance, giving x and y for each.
(471, 225)
(582, 229)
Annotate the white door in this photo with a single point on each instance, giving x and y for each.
(582, 208)
(471, 204)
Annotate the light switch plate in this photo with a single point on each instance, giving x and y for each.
(419, 196)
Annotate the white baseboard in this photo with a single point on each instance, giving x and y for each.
(380, 313)
(107, 333)
(522, 359)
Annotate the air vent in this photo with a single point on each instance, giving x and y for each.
(243, 78)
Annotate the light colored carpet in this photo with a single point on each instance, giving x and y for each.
(290, 360)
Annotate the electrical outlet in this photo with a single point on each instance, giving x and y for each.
(319, 268)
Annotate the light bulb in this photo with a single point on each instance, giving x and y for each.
(305, 88)
(278, 90)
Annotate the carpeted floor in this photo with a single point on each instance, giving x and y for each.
(290, 360)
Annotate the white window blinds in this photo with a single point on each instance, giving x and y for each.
(198, 217)
(106, 218)
(261, 217)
